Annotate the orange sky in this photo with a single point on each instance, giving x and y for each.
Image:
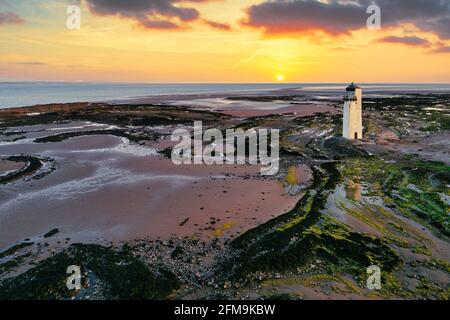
(113, 48)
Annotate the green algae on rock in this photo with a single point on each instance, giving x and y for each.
(125, 276)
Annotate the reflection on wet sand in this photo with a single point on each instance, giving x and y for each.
(297, 177)
(353, 190)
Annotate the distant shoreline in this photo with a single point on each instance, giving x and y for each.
(26, 94)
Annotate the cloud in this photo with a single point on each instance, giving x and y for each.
(157, 24)
(341, 17)
(150, 14)
(32, 63)
(410, 41)
(303, 16)
(441, 26)
(441, 50)
(218, 25)
(10, 18)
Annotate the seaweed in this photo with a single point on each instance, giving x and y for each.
(125, 276)
(51, 233)
(33, 165)
(292, 239)
(115, 132)
(15, 248)
(408, 185)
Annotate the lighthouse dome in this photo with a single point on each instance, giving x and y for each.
(352, 87)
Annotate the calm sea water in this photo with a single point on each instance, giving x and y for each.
(17, 94)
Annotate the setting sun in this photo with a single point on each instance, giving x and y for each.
(280, 77)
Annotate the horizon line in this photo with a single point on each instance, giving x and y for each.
(212, 83)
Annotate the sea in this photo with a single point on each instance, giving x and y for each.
(19, 94)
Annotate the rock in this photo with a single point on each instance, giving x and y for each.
(177, 252)
(51, 233)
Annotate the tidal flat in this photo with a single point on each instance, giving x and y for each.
(91, 184)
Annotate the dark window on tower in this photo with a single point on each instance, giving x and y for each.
(356, 135)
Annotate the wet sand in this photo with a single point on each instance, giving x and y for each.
(250, 104)
(182, 98)
(84, 196)
(245, 108)
(106, 188)
(7, 166)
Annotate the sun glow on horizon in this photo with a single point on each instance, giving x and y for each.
(280, 77)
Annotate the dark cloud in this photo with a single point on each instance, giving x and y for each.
(218, 25)
(157, 24)
(410, 41)
(151, 14)
(10, 18)
(301, 16)
(340, 17)
(441, 26)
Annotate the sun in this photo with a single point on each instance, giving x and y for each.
(280, 77)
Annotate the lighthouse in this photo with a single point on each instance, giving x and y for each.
(352, 126)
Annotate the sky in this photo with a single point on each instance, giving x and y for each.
(225, 41)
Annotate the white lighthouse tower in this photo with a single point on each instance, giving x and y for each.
(352, 126)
